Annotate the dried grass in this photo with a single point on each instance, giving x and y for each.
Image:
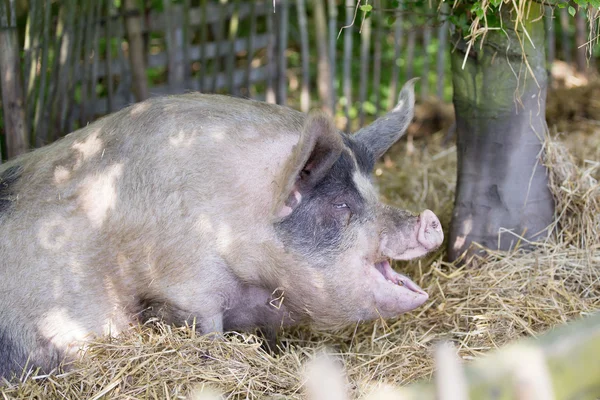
(480, 307)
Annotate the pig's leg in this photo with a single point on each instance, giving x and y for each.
(212, 325)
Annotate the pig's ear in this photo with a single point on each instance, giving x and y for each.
(385, 131)
(318, 148)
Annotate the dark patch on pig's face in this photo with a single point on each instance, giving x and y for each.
(321, 225)
(364, 158)
(7, 180)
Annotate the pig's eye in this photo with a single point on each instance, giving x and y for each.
(341, 205)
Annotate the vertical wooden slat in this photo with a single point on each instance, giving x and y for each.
(324, 63)
(91, 113)
(378, 38)
(108, 57)
(64, 66)
(348, 60)
(75, 66)
(218, 30)
(234, 23)
(250, 45)
(304, 93)
(442, 48)
(333, 34)
(185, 48)
(281, 48)
(30, 37)
(41, 95)
(271, 61)
(123, 94)
(203, 42)
(426, 61)
(32, 53)
(397, 48)
(13, 103)
(137, 58)
(88, 52)
(565, 41)
(365, 46)
(178, 47)
(410, 51)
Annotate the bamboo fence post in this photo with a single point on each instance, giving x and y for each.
(397, 48)
(324, 61)
(350, 5)
(13, 102)
(365, 47)
(203, 41)
(38, 121)
(137, 58)
(67, 47)
(410, 52)
(234, 23)
(218, 33)
(88, 50)
(250, 50)
(32, 55)
(123, 93)
(108, 77)
(186, 30)
(304, 93)
(281, 48)
(270, 95)
(68, 106)
(91, 114)
(377, 55)
(333, 34)
(426, 62)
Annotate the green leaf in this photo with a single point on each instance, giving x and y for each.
(366, 8)
(572, 11)
(391, 19)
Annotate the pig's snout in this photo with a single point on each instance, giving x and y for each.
(430, 234)
(407, 237)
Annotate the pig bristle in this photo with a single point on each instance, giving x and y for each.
(490, 302)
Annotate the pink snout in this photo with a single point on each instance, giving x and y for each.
(430, 234)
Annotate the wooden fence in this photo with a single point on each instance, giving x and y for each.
(85, 58)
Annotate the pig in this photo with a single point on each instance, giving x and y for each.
(228, 213)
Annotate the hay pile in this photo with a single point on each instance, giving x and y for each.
(500, 299)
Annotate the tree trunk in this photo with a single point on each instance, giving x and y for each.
(133, 26)
(502, 185)
(12, 90)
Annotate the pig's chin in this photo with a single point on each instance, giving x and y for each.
(394, 293)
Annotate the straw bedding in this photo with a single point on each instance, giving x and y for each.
(479, 307)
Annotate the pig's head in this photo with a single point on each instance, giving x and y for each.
(338, 235)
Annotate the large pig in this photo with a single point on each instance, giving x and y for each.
(233, 213)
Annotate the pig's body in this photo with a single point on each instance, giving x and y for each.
(196, 207)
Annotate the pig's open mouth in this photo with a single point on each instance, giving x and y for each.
(393, 293)
(392, 276)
